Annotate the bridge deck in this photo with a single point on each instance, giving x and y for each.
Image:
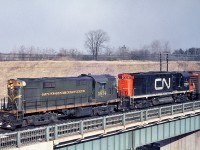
(139, 128)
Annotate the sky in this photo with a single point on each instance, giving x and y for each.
(63, 23)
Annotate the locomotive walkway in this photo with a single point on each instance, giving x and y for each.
(122, 131)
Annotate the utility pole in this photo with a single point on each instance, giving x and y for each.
(167, 61)
(160, 62)
(123, 50)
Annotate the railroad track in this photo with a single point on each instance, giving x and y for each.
(68, 120)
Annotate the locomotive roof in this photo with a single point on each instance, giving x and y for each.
(150, 73)
(53, 78)
(158, 73)
(99, 78)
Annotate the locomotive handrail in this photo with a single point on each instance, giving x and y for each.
(104, 124)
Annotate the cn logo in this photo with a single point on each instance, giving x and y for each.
(161, 83)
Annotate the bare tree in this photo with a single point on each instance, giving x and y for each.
(156, 46)
(74, 52)
(145, 48)
(49, 53)
(21, 52)
(166, 47)
(109, 51)
(30, 52)
(63, 52)
(123, 52)
(95, 41)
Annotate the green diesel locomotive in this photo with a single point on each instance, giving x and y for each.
(36, 101)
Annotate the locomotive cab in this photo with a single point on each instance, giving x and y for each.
(182, 81)
(13, 111)
(104, 87)
(15, 92)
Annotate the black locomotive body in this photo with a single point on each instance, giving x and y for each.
(65, 96)
(160, 82)
(153, 88)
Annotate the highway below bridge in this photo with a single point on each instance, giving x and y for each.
(124, 131)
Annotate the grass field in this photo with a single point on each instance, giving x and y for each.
(31, 69)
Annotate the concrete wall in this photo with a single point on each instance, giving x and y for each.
(37, 146)
(184, 142)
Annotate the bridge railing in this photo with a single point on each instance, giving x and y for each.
(41, 134)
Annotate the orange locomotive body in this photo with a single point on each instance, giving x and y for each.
(125, 85)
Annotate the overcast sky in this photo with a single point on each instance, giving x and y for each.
(63, 23)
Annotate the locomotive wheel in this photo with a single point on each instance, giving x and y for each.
(53, 117)
(24, 123)
(155, 101)
(11, 126)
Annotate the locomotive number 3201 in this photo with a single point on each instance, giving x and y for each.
(160, 83)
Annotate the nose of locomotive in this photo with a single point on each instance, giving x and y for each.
(15, 93)
(125, 85)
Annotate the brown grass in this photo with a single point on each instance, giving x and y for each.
(29, 69)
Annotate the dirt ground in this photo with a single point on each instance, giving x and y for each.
(29, 69)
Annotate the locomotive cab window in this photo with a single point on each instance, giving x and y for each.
(49, 85)
(102, 86)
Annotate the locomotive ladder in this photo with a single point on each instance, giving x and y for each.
(131, 100)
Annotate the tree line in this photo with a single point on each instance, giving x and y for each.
(122, 53)
(97, 45)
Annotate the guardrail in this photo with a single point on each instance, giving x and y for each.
(17, 139)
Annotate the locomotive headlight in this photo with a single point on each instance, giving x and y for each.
(20, 83)
(15, 83)
(11, 86)
(23, 83)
